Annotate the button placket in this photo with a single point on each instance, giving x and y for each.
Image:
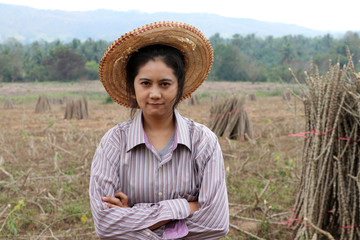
(160, 191)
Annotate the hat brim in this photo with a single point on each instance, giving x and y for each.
(197, 50)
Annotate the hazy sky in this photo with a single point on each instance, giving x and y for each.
(339, 15)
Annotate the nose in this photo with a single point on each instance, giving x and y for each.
(155, 92)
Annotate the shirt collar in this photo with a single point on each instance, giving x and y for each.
(136, 132)
(182, 133)
(137, 136)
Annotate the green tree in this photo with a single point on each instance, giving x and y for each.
(254, 70)
(352, 40)
(64, 64)
(33, 61)
(11, 68)
(287, 52)
(229, 63)
(216, 39)
(93, 50)
(11, 61)
(240, 58)
(75, 44)
(91, 70)
(14, 46)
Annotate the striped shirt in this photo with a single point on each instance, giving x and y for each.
(159, 188)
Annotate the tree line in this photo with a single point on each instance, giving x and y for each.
(239, 58)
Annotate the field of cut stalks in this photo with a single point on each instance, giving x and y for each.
(45, 160)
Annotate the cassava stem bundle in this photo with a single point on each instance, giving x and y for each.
(329, 190)
(229, 118)
(42, 105)
(77, 109)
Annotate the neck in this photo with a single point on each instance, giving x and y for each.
(154, 124)
(159, 130)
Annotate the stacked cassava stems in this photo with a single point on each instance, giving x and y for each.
(252, 97)
(328, 201)
(76, 109)
(194, 100)
(8, 104)
(42, 105)
(229, 118)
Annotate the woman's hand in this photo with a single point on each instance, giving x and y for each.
(194, 206)
(120, 200)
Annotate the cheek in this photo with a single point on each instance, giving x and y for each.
(137, 95)
(175, 91)
(138, 90)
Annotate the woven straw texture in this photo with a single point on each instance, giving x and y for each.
(189, 40)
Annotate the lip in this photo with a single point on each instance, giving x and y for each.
(155, 104)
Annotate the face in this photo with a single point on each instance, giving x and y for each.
(156, 88)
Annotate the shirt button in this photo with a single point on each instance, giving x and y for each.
(148, 234)
(160, 193)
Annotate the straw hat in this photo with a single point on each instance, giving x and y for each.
(189, 40)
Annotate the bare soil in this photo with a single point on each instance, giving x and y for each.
(45, 160)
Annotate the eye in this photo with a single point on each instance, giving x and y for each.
(145, 83)
(165, 84)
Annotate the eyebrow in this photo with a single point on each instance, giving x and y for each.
(161, 80)
(166, 80)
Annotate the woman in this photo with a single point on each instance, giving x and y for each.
(158, 175)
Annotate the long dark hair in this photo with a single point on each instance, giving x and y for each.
(171, 56)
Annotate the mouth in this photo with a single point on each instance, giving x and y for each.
(155, 104)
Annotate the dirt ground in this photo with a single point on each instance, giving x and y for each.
(45, 160)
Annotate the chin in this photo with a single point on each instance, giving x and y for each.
(153, 112)
(157, 112)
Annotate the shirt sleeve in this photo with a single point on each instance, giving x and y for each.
(125, 223)
(211, 221)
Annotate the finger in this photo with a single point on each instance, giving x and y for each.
(113, 204)
(121, 195)
(110, 205)
(124, 198)
(113, 200)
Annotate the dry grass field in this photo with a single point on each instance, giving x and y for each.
(45, 160)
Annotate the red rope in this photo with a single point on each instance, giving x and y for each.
(303, 135)
(293, 218)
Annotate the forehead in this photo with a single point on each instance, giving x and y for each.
(157, 66)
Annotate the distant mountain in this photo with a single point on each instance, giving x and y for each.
(29, 24)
